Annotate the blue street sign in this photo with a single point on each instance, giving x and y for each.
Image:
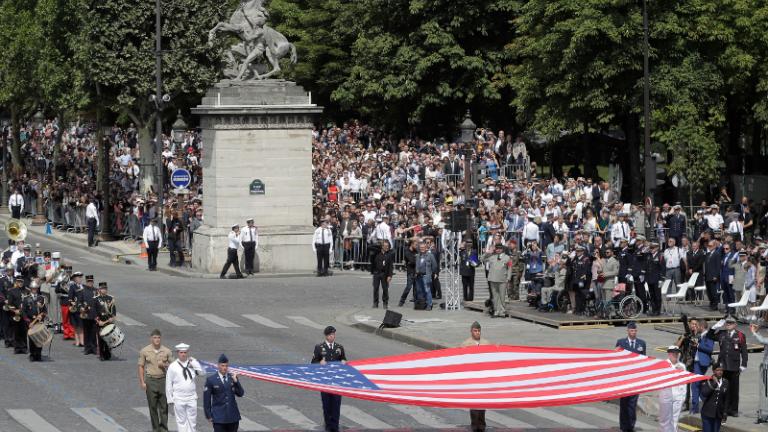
(181, 178)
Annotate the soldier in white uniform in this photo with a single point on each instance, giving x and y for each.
(671, 399)
(249, 237)
(181, 388)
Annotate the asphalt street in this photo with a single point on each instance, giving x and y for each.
(253, 321)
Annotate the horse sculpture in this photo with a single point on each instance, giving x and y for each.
(256, 40)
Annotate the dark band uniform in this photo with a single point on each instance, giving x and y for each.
(15, 299)
(331, 403)
(5, 333)
(63, 292)
(72, 297)
(34, 308)
(105, 308)
(85, 298)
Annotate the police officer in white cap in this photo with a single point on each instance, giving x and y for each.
(250, 238)
(234, 244)
(180, 388)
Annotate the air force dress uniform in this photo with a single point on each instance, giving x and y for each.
(628, 405)
(219, 400)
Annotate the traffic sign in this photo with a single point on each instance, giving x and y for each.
(181, 178)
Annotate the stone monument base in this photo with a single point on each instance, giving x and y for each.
(281, 250)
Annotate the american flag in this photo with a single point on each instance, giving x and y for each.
(484, 377)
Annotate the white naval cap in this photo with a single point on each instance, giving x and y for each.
(56, 255)
(182, 347)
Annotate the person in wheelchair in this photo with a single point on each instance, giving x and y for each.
(534, 271)
(557, 272)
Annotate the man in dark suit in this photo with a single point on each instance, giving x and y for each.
(733, 358)
(628, 405)
(712, 267)
(330, 351)
(654, 270)
(219, 398)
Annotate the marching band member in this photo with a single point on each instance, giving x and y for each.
(5, 285)
(106, 311)
(75, 288)
(88, 316)
(63, 291)
(35, 310)
(15, 299)
(46, 272)
(180, 388)
(17, 252)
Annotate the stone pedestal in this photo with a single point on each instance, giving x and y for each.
(257, 131)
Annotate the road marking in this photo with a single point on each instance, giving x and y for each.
(597, 412)
(292, 416)
(129, 321)
(363, 418)
(422, 416)
(506, 421)
(99, 420)
(31, 420)
(217, 320)
(248, 425)
(264, 321)
(172, 426)
(306, 321)
(559, 418)
(173, 319)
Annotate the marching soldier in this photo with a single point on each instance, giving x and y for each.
(5, 284)
(63, 304)
(85, 300)
(35, 310)
(330, 351)
(106, 311)
(75, 288)
(15, 301)
(250, 239)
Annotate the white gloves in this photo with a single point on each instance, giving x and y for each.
(719, 324)
(742, 368)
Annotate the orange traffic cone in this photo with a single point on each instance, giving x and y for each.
(143, 253)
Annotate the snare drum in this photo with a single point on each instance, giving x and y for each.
(112, 335)
(40, 335)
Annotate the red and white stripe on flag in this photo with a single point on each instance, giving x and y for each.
(486, 376)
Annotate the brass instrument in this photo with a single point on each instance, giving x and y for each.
(84, 312)
(61, 278)
(16, 314)
(16, 230)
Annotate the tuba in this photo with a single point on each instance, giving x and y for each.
(16, 230)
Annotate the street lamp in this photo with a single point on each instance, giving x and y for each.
(467, 137)
(39, 120)
(4, 135)
(178, 129)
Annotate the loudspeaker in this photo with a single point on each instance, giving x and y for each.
(457, 221)
(391, 319)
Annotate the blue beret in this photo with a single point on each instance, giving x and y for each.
(223, 359)
(631, 325)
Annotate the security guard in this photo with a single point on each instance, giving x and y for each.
(219, 400)
(330, 351)
(85, 303)
(35, 310)
(733, 358)
(628, 404)
(106, 311)
(250, 239)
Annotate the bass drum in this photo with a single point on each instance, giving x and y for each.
(40, 335)
(112, 336)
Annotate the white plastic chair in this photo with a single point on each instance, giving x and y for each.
(677, 297)
(741, 305)
(691, 281)
(664, 291)
(699, 291)
(763, 306)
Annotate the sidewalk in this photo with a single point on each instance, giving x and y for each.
(125, 251)
(439, 329)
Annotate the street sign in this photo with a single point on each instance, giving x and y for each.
(257, 187)
(181, 178)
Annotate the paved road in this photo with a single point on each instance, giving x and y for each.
(255, 321)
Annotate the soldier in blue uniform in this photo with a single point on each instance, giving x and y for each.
(628, 405)
(330, 351)
(219, 400)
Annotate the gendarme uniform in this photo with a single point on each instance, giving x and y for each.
(330, 352)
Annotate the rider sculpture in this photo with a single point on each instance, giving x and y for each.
(258, 42)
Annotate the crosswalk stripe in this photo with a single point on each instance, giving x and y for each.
(263, 321)
(31, 420)
(363, 418)
(607, 416)
(217, 320)
(247, 425)
(422, 416)
(172, 426)
(292, 416)
(306, 321)
(129, 321)
(559, 418)
(506, 421)
(173, 319)
(99, 420)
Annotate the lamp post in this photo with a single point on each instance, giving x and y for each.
(159, 99)
(4, 135)
(178, 129)
(467, 137)
(39, 219)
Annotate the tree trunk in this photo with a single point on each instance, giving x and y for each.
(147, 158)
(102, 172)
(632, 132)
(15, 143)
